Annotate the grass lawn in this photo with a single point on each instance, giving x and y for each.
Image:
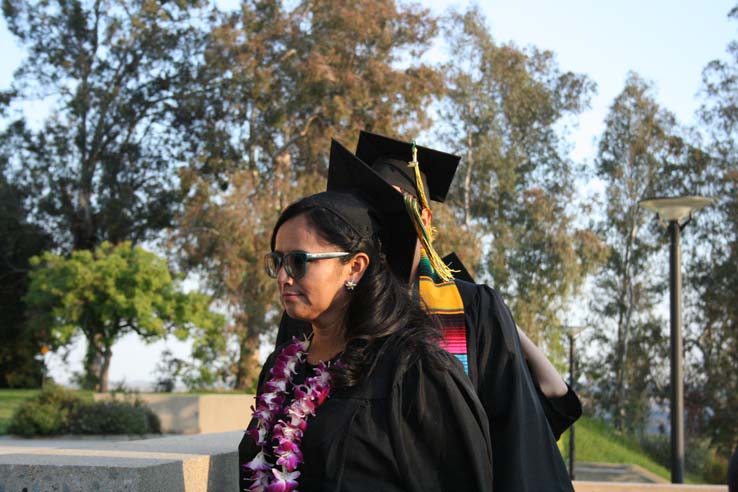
(10, 399)
(598, 442)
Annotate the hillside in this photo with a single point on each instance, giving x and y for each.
(598, 442)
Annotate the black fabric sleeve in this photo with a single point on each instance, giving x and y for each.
(562, 411)
(439, 431)
(526, 457)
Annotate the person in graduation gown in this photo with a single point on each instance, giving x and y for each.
(370, 402)
(478, 328)
(559, 402)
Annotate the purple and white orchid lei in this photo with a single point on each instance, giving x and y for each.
(288, 432)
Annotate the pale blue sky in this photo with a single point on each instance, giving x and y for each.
(667, 42)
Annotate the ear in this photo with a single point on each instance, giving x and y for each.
(358, 265)
(426, 216)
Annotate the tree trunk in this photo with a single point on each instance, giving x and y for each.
(625, 320)
(92, 364)
(248, 363)
(106, 355)
(467, 177)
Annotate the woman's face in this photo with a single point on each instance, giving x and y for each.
(319, 296)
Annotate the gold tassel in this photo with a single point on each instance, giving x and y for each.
(418, 178)
(443, 271)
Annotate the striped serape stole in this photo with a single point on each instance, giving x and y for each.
(443, 300)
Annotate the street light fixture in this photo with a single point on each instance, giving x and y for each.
(571, 333)
(675, 213)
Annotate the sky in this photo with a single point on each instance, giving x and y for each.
(665, 42)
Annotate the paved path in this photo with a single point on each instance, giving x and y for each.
(609, 472)
(69, 442)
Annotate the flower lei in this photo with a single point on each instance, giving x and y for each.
(287, 433)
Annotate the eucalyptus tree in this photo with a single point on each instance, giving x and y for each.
(642, 153)
(100, 164)
(506, 112)
(283, 78)
(712, 327)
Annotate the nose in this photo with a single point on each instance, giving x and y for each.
(282, 277)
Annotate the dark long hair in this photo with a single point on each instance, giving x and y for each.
(382, 311)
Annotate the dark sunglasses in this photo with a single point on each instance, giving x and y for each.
(295, 262)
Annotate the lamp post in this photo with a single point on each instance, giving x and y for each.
(571, 333)
(675, 213)
(571, 383)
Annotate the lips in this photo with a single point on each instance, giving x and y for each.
(288, 296)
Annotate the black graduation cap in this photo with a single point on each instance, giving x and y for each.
(460, 271)
(348, 173)
(390, 158)
(352, 209)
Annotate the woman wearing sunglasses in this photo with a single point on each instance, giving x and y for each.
(369, 402)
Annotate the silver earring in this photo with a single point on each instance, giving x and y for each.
(350, 285)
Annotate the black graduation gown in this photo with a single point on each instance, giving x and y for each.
(526, 457)
(409, 427)
(524, 424)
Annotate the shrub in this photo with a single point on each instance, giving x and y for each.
(108, 417)
(152, 418)
(699, 458)
(59, 411)
(658, 447)
(114, 417)
(715, 468)
(45, 414)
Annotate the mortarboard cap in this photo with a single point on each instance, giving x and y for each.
(390, 157)
(347, 173)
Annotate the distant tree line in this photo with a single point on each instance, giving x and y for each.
(178, 126)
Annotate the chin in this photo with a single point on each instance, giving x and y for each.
(295, 312)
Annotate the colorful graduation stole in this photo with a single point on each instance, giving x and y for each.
(442, 299)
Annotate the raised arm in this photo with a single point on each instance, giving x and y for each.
(549, 380)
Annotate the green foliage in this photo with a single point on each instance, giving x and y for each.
(506, 111)
(699, 459)
(56, 410)
(641, 155)
(168, 372)
(152, 419)
(711, 309)
(101, 166)
(598, 442)
(283, 78)
(114, 417)
(20, 366)
(10, 400)
(110, 292)
(46, 414)
(714, 468)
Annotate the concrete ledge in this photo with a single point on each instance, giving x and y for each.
(195, 414)
(196, 463)
(202, 463)
(582, 486)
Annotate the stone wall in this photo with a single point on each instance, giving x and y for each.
(198, 463)
(196, 414)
